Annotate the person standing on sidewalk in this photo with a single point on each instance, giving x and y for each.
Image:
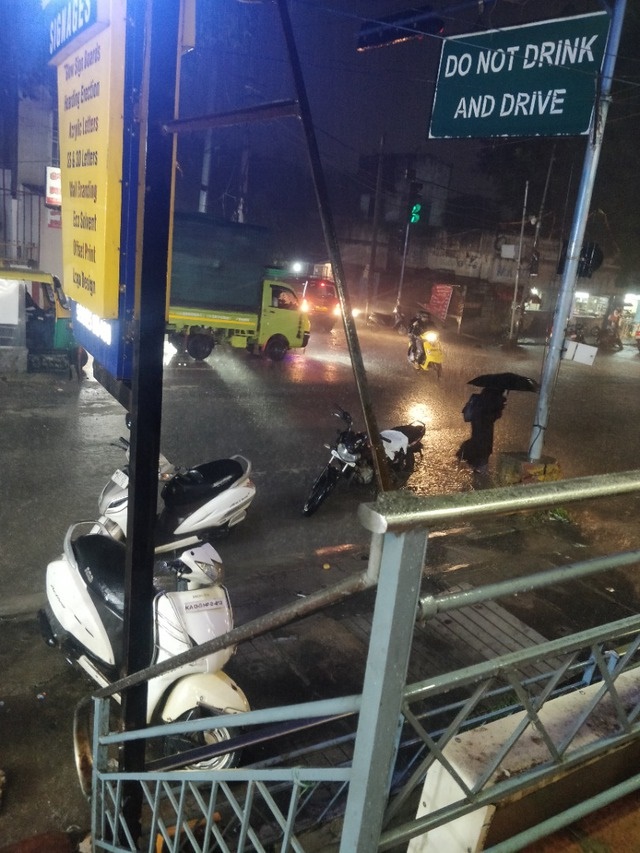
(613, 324)
(481, 411)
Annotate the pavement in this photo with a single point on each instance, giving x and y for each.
(42, 809)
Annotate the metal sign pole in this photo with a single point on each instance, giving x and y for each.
(157, 26)
(565, 297)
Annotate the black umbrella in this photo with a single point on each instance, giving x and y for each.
(504, 382)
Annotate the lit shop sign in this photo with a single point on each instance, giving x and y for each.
(90, 116)
(53, 187)
(536, 80)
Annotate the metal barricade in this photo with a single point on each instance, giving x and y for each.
(355, 781)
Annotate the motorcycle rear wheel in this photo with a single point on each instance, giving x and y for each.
(320, 490)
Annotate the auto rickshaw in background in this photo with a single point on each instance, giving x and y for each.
(49, 334)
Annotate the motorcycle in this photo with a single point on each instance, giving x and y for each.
(425, 350)
(400, 323)
(84, 615)
(607, 338)
(575, 332)
(351, 457)
(201, 502)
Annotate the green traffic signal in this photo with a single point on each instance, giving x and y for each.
(416, 213)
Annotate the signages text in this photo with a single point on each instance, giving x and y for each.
(524, 81)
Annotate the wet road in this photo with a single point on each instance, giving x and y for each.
(56, 457)
(280, 415)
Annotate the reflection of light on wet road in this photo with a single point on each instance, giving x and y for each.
(419, 412)
(168, 353)
(301, 369)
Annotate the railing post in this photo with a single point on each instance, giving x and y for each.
(403, 558)
(101, 708)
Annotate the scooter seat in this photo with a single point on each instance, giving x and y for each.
(101, 561)
(206, 482)
(414, 432)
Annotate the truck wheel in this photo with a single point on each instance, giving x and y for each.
(199, 346)
(276, 347)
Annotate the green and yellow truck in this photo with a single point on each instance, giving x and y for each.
(223, 292)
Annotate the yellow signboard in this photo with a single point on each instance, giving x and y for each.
(90, 112)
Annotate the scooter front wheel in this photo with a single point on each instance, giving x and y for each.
(175, 744)
(321, 490)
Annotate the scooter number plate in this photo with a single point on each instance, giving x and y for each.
(120, 479)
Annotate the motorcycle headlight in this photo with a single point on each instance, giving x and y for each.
(213, 570)
(431, 337)
(347, 454)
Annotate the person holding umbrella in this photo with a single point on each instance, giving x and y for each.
(483, 410)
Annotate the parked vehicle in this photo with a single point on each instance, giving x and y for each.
(425, 349)
(198, 503)
(575, 332)
(607, 338)
(84, 617)
(320, 301)
(222, 291)
(400, 321)
(351, 457)
(48, 331)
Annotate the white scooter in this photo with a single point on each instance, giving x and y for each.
(199, 502)
(84, 617)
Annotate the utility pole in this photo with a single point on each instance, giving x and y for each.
(371, 280)
(574, 247)
(513, 336)
(412, 215)
(404, 261)
(543, 201)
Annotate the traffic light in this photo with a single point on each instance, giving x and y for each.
(416, 205)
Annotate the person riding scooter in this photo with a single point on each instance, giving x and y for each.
(418, 325)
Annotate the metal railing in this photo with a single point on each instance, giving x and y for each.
(348, 773)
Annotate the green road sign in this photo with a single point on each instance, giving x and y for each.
(536, 80)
